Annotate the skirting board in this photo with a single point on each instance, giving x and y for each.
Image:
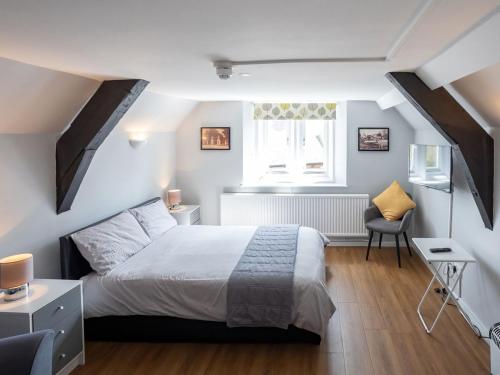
(473, 318)
(362, 243)
(356, 242)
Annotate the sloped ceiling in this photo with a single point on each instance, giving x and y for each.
(473, 146)
(482, 91)
(413, 117)
(153, 112)
(40, 100)
(172, 43)
(469, 68)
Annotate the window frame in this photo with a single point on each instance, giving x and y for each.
(339, 151)
(296, 172)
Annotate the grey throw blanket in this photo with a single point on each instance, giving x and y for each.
(260, 288)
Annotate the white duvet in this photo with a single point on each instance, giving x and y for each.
(184, 274)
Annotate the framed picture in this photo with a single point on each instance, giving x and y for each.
(215, 138)
(373, 139)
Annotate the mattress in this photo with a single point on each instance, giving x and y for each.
(185, 272)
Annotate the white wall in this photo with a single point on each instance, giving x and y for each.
(372, 172)
(36, 105)
(481, 286)
(432, 212)
(203, 175)
(118, 177)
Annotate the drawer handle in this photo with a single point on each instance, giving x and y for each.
(62, 356)
(60, 307)
(61, 332)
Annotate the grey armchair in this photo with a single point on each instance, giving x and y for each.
(375, 222)
(29, 354)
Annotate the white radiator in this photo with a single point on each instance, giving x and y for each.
(336, 215)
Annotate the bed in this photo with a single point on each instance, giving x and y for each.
(175, 289)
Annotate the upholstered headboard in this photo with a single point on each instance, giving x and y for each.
(73, 264)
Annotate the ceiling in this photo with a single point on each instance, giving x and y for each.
(482, 91)
(51, 99)
(173, 43)
(38, 100)
(153, 112)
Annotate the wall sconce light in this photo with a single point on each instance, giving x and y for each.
(137, 140)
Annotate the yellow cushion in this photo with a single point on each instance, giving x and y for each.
(393, 202)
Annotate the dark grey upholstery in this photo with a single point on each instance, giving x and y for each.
(380, 225)
(29, 354)
(375, 222)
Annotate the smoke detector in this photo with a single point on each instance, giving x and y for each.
(224, 69)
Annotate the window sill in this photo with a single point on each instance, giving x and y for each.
(293, 185)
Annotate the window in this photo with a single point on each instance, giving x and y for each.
(293, 151)
(431, 157)
(411, 158)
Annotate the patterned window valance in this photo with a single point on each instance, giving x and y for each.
(294, 111)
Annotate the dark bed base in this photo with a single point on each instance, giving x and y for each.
(168, 329)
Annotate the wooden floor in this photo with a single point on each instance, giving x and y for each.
(374, 331)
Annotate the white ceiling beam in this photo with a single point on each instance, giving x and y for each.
(390, 99)
(403, 35)
(473, 51)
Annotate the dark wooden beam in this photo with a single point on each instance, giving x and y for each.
(77, 146)
(473, 146)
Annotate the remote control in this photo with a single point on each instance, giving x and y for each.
(440, 250)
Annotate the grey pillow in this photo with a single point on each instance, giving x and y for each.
(154, 218)
(111, 243)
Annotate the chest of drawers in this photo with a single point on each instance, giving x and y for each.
(51, 304)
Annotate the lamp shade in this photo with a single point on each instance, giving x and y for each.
(16, 270)
(174, 197)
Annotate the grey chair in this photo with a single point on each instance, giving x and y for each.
(28, 354)
(375, 222)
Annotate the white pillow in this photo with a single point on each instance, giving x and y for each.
(154, 218)
(112, 242)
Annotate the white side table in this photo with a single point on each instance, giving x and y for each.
(51, 304)
(436, 260)
(186, 214)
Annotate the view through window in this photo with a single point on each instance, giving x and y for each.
(295, 150)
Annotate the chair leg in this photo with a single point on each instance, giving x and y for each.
(407, 243)
(369, 245)
(380, 241)
(397, 250)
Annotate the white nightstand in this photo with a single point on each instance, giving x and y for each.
(187, 215)
(51, 304)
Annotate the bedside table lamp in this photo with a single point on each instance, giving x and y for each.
(174, 199)
(16, 272)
